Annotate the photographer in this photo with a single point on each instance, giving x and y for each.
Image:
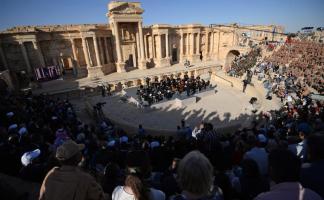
(69, 178)
(98, 109)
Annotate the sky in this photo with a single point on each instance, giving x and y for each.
(292, 14)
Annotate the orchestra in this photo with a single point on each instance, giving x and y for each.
(155, 90)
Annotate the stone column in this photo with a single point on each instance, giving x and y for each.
(192, 43)
(39, 53)
(153, 47)
(97, 51)
(3, 57)
(181, 46)
(160, 43)
(187, 44)
(198, 44)
(25, 55)
(101, 51)
(138, 47)
(142, 62)
(141, 39)
(120, 61)
(207, 42)
(212, 41)
(85, 52)
(145, 47)
(134, 57)
(106, 48)
(119, 56)
(167, 45)
(75, 57)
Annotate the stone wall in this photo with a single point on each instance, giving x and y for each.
(124, 44)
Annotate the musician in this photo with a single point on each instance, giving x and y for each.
(187, 63)
(168, 86)
(186, 77)
(187, 88)
(148, 81)
(203, 84)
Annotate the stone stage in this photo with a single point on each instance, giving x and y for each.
(128, 79)
(177, 100)
(227, 110)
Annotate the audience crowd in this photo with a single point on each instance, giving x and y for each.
(242, 63)
(280, 156)
(303, 59)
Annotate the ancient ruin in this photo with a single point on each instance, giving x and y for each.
(122, 45)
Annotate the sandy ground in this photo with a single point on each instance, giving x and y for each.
(229, 106)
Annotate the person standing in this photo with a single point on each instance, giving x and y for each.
(245, 83)
(257, 153)
(141, 130)
(103, 91)
(196, 179)
(136, 187)
(68, 181)
(311, 175)
(284, 171)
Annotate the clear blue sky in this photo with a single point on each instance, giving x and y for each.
(293, 14)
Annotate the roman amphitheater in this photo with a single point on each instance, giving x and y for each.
(75, 61)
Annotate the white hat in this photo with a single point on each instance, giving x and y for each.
(262, 138)
(28, 157)
(13, 126)
(123, 139)
(22, 131)
(154, 144)
(54, 118)
(10, 114)
(111, 143)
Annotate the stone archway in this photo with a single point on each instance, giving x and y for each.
(229, 58)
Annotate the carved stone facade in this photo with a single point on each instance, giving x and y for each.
(94, 50)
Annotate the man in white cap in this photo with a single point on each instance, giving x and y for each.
(32, 170)
(68, 181)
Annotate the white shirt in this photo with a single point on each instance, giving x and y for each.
(120, 194)
(260, 156)
(299, 149)
(195, 132)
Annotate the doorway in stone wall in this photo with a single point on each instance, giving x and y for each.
(231, 55)
(174, 55)
(67, 66)
(129, 63)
